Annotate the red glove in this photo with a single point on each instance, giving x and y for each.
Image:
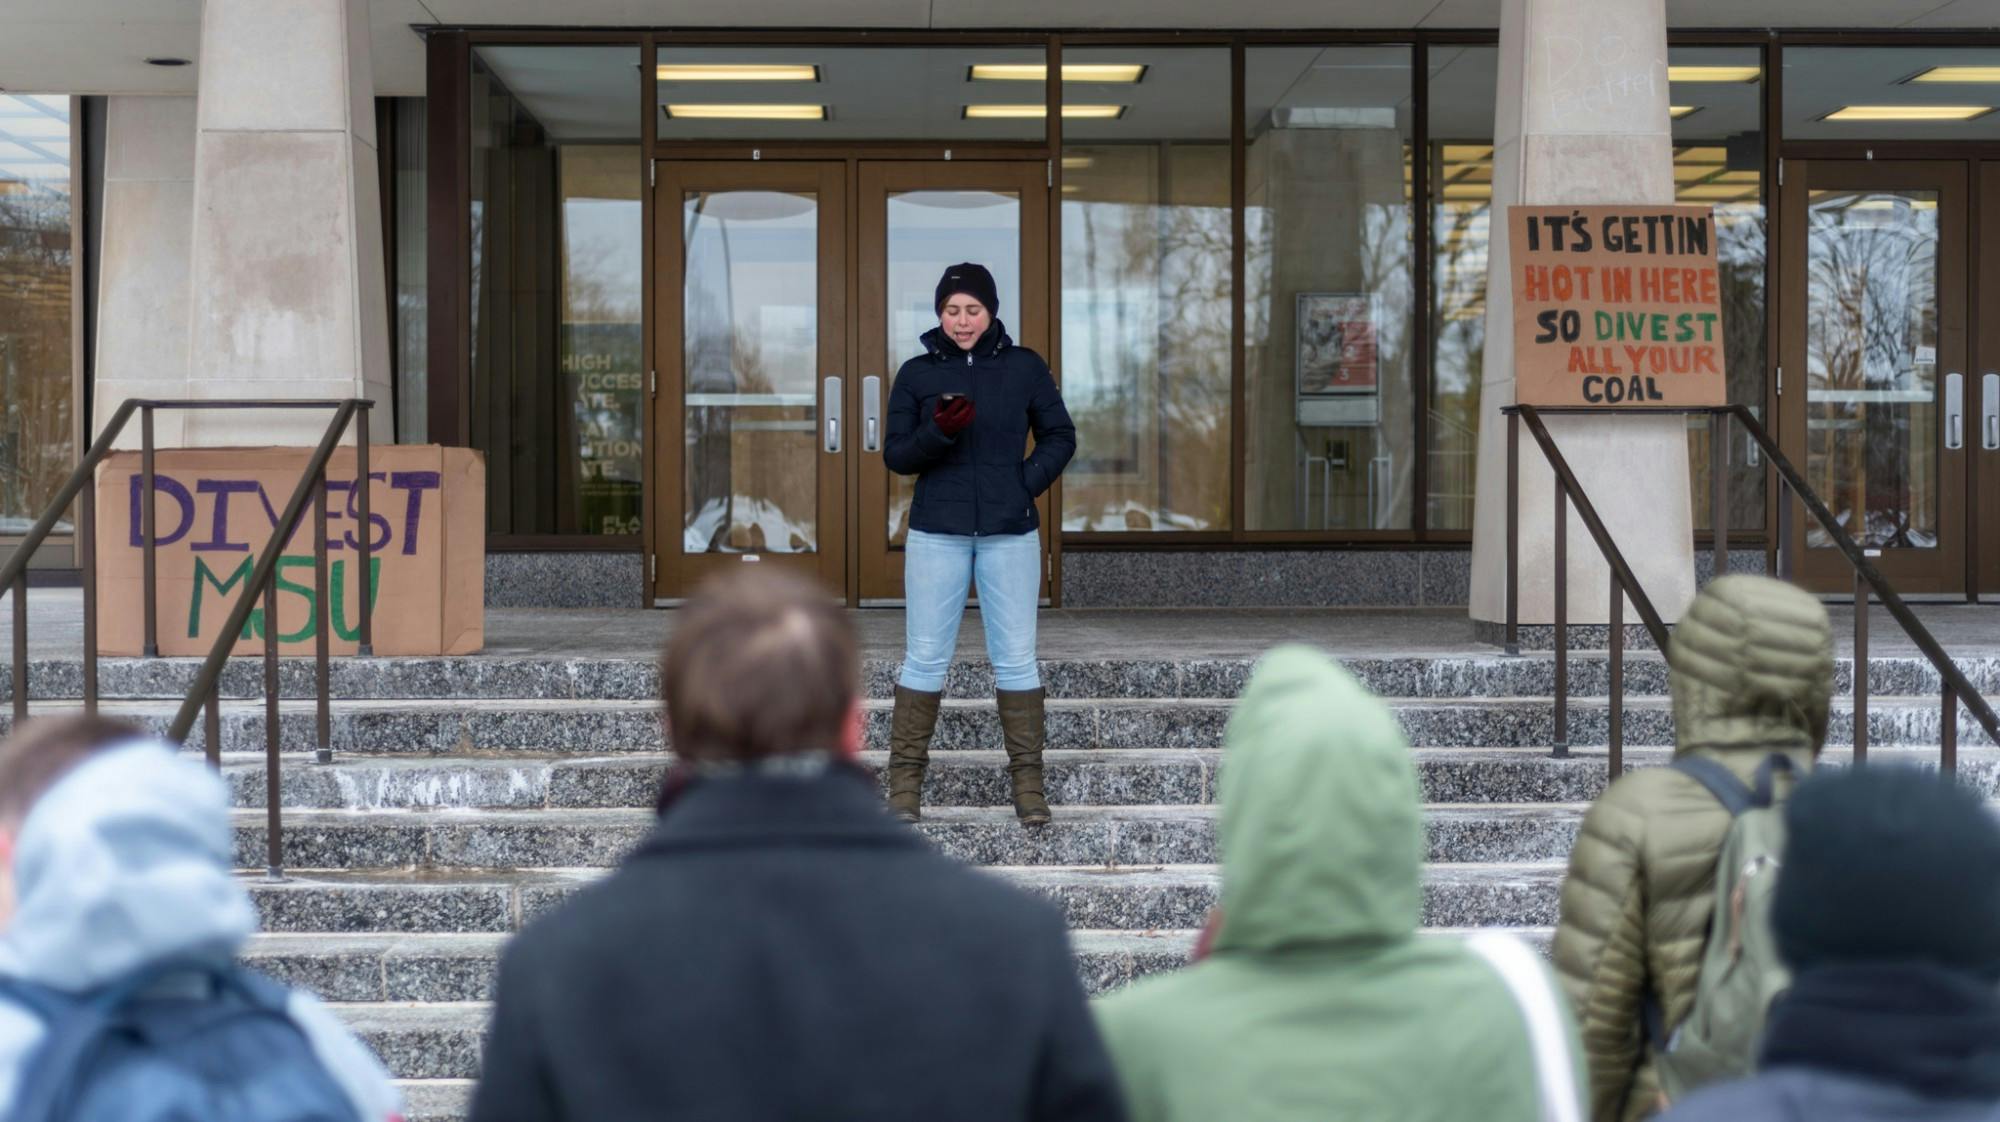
(953, 416)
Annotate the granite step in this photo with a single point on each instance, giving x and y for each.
(1137, 898)
(442, 1040)
(1478, 673)
(985, 835)
(601, 727)
(973, 777)
(419, 968)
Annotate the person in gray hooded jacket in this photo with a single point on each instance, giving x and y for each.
(115, 856)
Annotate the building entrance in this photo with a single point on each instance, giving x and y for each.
(1889, 377)
(787, 294)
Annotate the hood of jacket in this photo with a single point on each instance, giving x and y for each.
(1322, 833)
(1752, 668)
(941, 347)
(125, 861)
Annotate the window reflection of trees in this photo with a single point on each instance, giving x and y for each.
(36, 440)
(1871, 362)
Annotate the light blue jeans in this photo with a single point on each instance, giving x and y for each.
(938, 571)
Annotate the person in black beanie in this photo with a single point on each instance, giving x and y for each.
(1888, 913)
(959, 420)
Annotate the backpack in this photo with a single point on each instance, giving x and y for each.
(1741, 972)
(222, 1047)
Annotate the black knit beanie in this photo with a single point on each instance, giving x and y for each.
(1889, 864)
(972, 280)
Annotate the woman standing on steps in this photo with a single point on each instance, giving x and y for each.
(959, 419)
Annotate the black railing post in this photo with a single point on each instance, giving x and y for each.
(150, 575)
(1615, 743)
(211, 727)
(86, 564)
(1948, 732)
(1513, 533)
(1718, 470)
(274, 838)
(1860, 668)
(21, 647)
(322, 642)
(1562, 620)
(363, 485)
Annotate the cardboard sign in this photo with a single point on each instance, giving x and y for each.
(215, 509)
(1616, 306)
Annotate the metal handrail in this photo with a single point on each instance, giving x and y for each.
(1867, 578)
(206, 691)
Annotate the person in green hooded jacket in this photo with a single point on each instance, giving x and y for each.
(1317, 998)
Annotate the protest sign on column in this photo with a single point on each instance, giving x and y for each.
(216, 509)
(1616, 306)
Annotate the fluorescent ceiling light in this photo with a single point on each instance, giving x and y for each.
(1124, 72)
(747, 112)
(1077, 163)
(1957, 74)
(1466, 153)
(1069, 112)
(1713, 73)
(1468, 191)
(1679, 111)
(1908, 113)
(1716, 192)
(737, 72)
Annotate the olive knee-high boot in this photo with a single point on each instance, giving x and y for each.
(1022, 722)
(910, 730)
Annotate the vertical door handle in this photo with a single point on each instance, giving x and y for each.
(871, 414)
(1954, 411)
(1989, 412)
(830, 405)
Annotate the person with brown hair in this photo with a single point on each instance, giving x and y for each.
(779, 947)
(120, 922)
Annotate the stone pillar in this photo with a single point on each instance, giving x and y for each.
(286, 279)
(142, 321)
(1580, 117)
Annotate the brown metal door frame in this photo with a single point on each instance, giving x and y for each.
(1932, 571)
(877, 568)
(1982, 392)
(678, 572)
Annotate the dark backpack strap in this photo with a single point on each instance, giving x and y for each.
(75, 1028)
(1731, 792)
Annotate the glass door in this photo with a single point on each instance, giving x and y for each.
(1874, 365)
(750, 356)
(914, 220)
(1980, 422)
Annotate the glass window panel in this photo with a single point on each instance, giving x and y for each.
(557, 370)
(1146, 317)
(412, 128)
(37, 391)
(1327, 289)
(1462, 80)
(740, 94)
(751, 327)
(930, 231)
(1871, 364)
(1719, 162)
(1891, 93)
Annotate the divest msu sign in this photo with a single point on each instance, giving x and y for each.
(1616, 306)
(216, 508)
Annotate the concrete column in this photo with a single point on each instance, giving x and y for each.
(1580, 117)
(287, 288)
(142, 322)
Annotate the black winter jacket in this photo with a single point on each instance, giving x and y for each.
(977, 482)
(781, 950)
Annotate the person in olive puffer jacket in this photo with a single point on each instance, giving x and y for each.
(1752, 674)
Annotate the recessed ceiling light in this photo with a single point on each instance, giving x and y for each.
(1957, 74)
(1714, 73)
(1069, 112)
(747, 112)
(1125, 72)
(736, 72)
(165, 61)
(1679, 111)
(1908, 113)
